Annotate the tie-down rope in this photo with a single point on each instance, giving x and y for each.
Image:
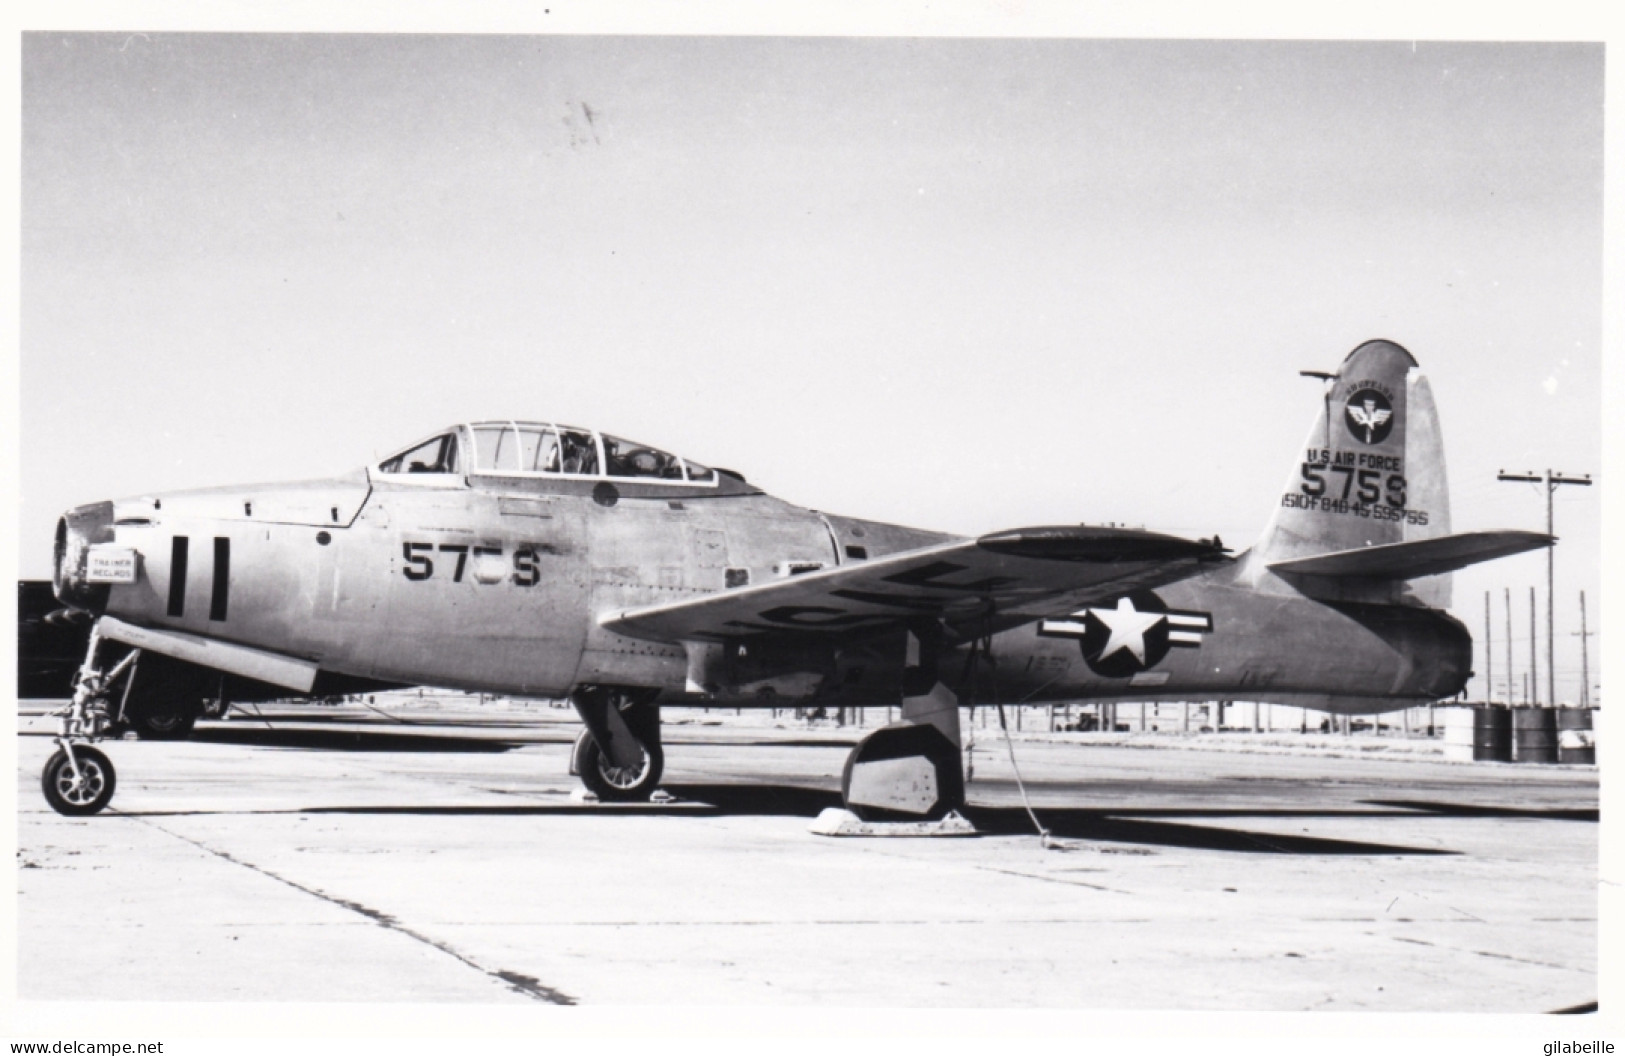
(984, 645)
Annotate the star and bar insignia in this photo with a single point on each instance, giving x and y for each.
(1130, 635)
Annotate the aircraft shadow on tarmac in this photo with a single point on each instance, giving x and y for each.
(1128, 826)
(802, 742)
(1145, 826)
(368, 740)
(1106, 826)
(1475, 810)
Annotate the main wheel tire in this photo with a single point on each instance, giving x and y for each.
(84, 796)
(167, 721)
(906, 772)
(617, 784)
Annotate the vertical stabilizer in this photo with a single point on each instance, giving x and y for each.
(1372, 470)
(1427, 481)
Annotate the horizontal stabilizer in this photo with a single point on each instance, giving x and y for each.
(1418, 557)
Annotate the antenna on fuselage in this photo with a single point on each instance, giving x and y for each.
(1328, 379)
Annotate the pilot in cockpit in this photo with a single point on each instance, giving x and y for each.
(580, 454)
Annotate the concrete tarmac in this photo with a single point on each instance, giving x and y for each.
(335, 856)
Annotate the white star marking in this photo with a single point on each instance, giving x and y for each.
(1128, 626)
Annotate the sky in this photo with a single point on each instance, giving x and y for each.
(963, 284)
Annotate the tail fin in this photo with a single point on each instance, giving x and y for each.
(1371, 472)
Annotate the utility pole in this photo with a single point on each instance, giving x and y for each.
(1585, 663)
(1511, 693)
(1534, 676)
(1489, 654)
(1552, 482)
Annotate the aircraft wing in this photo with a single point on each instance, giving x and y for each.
(1002, 579)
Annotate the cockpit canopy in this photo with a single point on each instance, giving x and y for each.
(541, 449)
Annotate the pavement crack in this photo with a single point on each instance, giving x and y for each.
(1052, 879)
(1496, 956)
(822, 922)
(522, 984)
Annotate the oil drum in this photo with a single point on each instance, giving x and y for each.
(1534, 735)
(1492, 734)
(1459, 728)
(1576, 743)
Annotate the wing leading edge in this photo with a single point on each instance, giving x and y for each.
(1002, 579)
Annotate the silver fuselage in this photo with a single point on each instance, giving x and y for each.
(497, 584)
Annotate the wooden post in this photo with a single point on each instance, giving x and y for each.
(1534, 677)
(1511, 693)
(1585, 658)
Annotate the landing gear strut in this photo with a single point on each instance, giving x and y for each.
(618, 756)
(78, 780)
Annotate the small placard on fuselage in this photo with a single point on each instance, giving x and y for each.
(110, 565)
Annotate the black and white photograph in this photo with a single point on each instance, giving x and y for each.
(564, 529)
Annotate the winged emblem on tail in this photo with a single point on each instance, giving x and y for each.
(1368, 416)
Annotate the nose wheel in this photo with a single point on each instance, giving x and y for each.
(79, 784)
(78, 780)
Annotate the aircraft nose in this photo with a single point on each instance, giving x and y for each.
(76, 531)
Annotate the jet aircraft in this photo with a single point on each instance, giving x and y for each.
(542, 560)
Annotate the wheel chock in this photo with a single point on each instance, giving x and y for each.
(586, 797)
(837, 821)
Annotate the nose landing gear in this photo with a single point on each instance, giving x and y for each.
(78, 779)
(78, 783)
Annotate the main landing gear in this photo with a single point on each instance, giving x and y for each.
(908, 771)
(618, 756)
(78, 779)
(911, 770)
